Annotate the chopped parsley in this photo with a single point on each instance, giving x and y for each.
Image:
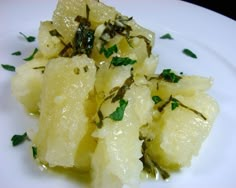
(119, 61)
(174, 103)
(109, 51)
(18, 139)
(8, 67)
(84, 36)
(34, 152)
(189, 53)
(118, 114)
(54, 32)
(28, 38)
(17, 53)
(169, 76)
(167, 36)
(156, 99)
(32, 55)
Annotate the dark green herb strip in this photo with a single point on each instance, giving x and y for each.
(149, 165)
(54, 32)
(28, 38)
(8, 67)
(122, 90)
(175, 103)
(17, 53)
(148, 43)
(84, 36)
(191, 109)
(34, 152)
(109, 51)
(18, 139)
(119, 61)
(189, 53)
(167, 36)
(118, 114)
(32, 55)
(156, 99)
(169, 76)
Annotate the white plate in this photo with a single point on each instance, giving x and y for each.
(210, 35)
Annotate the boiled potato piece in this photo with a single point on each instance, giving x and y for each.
(27, 84)
(49, 45)
(116, 158)
(179, 133)
(67, 10)
(63, 122)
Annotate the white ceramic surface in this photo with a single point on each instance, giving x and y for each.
(210, 35)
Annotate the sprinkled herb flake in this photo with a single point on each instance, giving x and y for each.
(17, 53)
(167, 36)
(18, 139)
(156, 99)
(109, 51)
(119, 61)
(32, 55)
(34, 152)
(8, 67)
(174, 103)
(28, 38)
(169, 76)
(118, 114)
(189, 53)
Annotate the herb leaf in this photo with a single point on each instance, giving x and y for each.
(18, 139)
(17, 53)
(34, 151)
(170, 76)
(28, 38)
(8, 67)
(189, 53)
(32, 55)
(118, 61)
(167, 36)
(174, 103)
(156, 99)
(109, 51)
(118, 114)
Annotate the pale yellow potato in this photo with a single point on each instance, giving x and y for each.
(68, 10)
(116, 158)
(26, 85)
(50, 46)
(179, 133)
(63, 121)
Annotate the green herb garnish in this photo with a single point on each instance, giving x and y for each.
(189, 53)
(32, 55)
(17, 53)
(156, 99)
(18, 139)
(28, 38)
(54, 32)
(109, 51)
(118, 114)
(169, 76)
(84, 36)
(174, 103)
(34, 152)
(8, 67)
(167, 36)
(119, 61)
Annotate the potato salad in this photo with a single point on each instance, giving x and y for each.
(102, 108)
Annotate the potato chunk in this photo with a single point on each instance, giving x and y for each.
(116, 158)
(27, 84)
(179, 133)
(63, 122)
